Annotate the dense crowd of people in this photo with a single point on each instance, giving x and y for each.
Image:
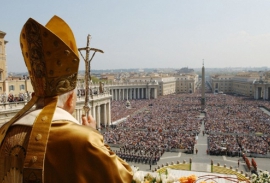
(13, 98)
(237, 124)
(233, 124)
(155, 126)
(120, 109)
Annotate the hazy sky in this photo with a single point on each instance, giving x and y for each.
(152, 33)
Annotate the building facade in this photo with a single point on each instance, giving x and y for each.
(3, 66)
(186, 83)
(11, 85)
(251, 84)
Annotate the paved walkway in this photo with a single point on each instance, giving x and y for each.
(200, 149)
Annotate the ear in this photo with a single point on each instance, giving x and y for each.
(70, 100)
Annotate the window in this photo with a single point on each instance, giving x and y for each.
(21, 87)
(11, 87)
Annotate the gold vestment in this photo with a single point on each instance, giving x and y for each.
(39, 148)
(75, 154)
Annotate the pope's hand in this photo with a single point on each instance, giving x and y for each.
(90, 121)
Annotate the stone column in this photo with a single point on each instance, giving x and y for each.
(127, 93)
(155, 93)
(264, 92)
(105, 114)
(98, 117)
(94, 112)
(78, 115)
(112, 94)
(123, 94)
(109, 113)
(139, 95)
(134, 93)
(116, 94)
(119, 94)
(256, 92)
(143, 93)
(130, 94)
(6, 87)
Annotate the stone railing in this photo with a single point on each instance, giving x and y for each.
(12, 105)
(9, 109)
(123, 84)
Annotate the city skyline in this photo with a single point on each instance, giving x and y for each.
(152, 34)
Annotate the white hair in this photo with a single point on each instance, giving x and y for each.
(63, 98)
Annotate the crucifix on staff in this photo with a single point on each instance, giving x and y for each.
(87, 71)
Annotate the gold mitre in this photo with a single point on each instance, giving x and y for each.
(51, 56)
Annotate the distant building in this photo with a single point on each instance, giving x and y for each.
(183, 83)
(185, 70)
(186, 83)
(108, 77)
(3, 66)
(221, 83)
(251, 84)
(13, 84)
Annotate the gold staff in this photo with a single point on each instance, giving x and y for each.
(87, 72)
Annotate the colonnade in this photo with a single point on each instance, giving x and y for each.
(262, 91)
(133, 93)
(100, 108)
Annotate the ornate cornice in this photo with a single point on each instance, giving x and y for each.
(2, 34)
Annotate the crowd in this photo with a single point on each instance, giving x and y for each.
(140, 154)
(13, 98)
(154, 126)
(239, 123)
(120, 110)
(233, 124)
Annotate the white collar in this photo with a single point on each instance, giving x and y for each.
(59, 114)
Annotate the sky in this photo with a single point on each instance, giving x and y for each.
(151, 33)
